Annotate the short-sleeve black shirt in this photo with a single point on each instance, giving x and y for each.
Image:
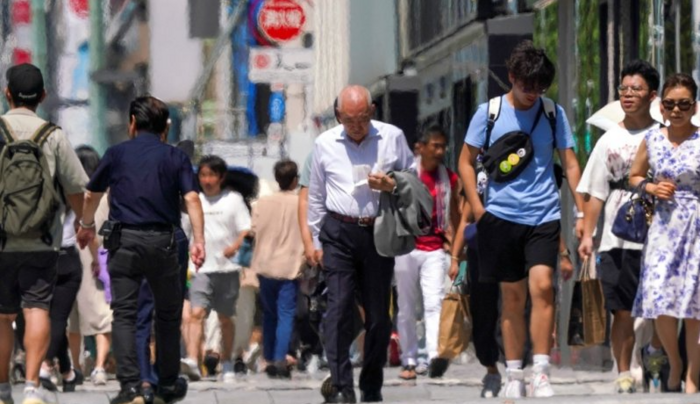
(146, 179)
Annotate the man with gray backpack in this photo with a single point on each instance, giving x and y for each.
(37, 166)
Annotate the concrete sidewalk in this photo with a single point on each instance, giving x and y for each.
(461, 384)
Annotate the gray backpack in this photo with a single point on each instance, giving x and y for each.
(29, 199)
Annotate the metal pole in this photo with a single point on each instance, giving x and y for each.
(97, 91)
(696, 39)
(39, 42)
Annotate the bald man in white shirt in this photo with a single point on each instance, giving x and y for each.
(350, 162)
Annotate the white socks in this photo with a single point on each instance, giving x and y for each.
(540, 361)
(514, 365)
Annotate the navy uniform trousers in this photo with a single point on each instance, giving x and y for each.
(151, 255)
(354, 268)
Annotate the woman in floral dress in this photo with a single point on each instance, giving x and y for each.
(669, 286)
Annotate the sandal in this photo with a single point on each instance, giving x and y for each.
(408, 373)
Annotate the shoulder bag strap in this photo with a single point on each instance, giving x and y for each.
(493, 111)
(5, 132)
(42, 134)
(550, 111)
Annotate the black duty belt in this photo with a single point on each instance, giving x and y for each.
(360, 221)
(148, 227)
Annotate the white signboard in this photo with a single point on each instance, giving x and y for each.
(176, 59)
(272, 65)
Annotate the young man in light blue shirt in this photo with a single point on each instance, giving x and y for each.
(518, 221)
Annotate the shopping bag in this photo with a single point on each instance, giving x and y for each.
(588, 319)
(455, 324)
(245, 253)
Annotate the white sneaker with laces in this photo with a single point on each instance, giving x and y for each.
(540, 386)
(515, 384)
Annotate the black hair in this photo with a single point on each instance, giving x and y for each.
(286, 171)
(150, 113)
(531, 66)
(214, 163)
(89, 158)
(680, 80)
(431, 131)
(245, 183)
(644, 69)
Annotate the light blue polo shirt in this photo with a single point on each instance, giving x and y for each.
(532, 198)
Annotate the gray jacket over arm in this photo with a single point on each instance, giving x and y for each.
(403, 215)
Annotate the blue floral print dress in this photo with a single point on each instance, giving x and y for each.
(669, 282)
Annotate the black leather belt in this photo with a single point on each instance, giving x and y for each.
(148, 227)
(622, 184)
(360, 221)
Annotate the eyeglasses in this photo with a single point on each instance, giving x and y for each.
(634, 90)
(683, 105)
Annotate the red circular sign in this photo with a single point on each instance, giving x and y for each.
(262, 61)
(281, 20)
(80, 7)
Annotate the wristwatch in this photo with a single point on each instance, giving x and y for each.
(564, 254)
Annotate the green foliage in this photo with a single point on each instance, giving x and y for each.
(645, 7)
(686, 39)
(546, 35)
(588, 76)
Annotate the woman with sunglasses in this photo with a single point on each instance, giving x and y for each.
(669, 288)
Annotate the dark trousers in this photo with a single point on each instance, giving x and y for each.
(279, 299)
(144, 323)
(153, 255)
(146, 305)
(352, 266)
(70, 274)
(483, 303)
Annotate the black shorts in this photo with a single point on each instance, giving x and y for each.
(618, 271)
(27, 280)
(508, 250)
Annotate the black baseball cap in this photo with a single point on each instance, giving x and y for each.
(25, 82)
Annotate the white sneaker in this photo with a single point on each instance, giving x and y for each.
(314, 365)
(625, 385)
(515, 384)
(189, 368)
(34, 395)
(540, 386)
(99, 377)
(229, 377)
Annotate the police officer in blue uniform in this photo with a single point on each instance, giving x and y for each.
(146, 179)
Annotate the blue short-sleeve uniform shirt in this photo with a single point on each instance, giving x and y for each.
(532, 198)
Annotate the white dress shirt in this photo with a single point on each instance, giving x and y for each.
(340, 169)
